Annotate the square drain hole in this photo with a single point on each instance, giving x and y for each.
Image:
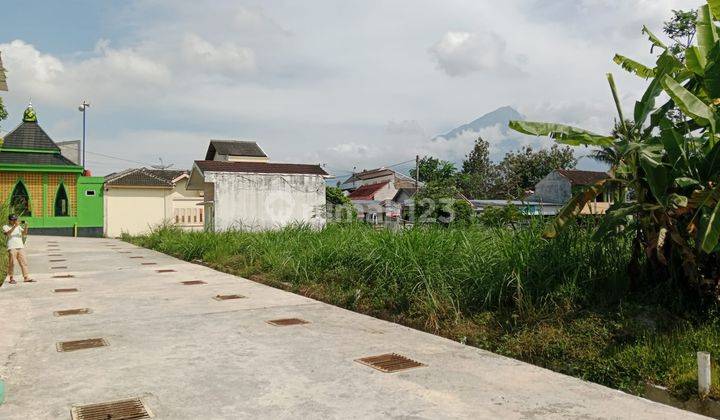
(148, 263)
(389, 363)
(90, 343)
(69, 290)
(64, 276)
(136, 256)
(284, 322)
(192, 282)
(54, 255)
(228, 297)
(58, 260)
(124, 252)
(166, 271)
(60, 267)
(66, 312)
(130, 409)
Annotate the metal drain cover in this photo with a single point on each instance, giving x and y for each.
(63, 276)
(60, 267)
(66, 290)
(228, 297)
(66, 312)
(166, 271)
(54, 255)
(90, 343)
(192, 282)
(149, 263)
(136, 256)
(57, 260)
(284, 322)
(391, 362)
(130, 409)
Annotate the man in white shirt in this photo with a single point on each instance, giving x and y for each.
(15, 232)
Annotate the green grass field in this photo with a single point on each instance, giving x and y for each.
(563, 304)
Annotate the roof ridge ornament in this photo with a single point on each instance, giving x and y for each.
(29, 114)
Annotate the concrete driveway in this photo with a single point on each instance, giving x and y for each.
(189, 356)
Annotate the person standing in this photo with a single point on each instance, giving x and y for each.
(16, 232)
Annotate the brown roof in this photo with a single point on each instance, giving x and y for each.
(367, 192)
(259, 167)
(582, 177)
(233, 148)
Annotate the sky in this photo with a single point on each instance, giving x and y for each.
(347, 84)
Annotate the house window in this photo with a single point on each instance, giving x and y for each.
(20, 200)
(90, 193)
(61, 202)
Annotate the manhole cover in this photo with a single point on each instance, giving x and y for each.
(90, 343)
(284, 322)
(137, 256)
(66, 312)
(130, 409)
(165, 271)
(58, 260)
(389, 363)
(228, 297)
(192, 282)
(60, 267)
(63, 276)
(149, 263)
(124, 252)
(54, 255)
(70, 290)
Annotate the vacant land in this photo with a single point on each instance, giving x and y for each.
(564, 304)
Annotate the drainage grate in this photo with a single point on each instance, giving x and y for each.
(149, 263)
(124, 252)
(130, 409)
(54, 255)
(284, 322)
(166, 271)
(60, 267)
(137, 256)
(390, 363)
(63, 276)
(66, 290)
(192, 282)
(65, 312)
(58, 260)
(228, 297)
(90, 343)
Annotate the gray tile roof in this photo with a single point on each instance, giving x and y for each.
(259, 167)
(34, 158)
(143, 177)
(29, 135)
(233, 148)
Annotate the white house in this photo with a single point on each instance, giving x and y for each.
(244, 192)
(136, 200)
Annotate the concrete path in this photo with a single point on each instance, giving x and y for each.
(188, 356)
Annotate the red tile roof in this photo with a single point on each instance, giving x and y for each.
(367, 192)
(259, 167)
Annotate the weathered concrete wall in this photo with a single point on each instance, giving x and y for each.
(554, 188)
(266, 201)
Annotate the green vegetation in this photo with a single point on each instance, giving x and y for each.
(563, 304)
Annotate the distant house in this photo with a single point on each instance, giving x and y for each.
(561, 184)
(243, 190)
(379, 194)
(396, 179)
(136, 200)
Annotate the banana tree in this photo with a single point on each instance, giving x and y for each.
(672, 165)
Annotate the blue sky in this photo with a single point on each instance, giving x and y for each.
(351, 84)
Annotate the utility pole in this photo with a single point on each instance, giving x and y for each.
(417, 172)
(82, 108)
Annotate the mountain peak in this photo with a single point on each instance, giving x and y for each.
(500, 116)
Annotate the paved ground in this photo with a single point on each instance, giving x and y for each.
(191, 357)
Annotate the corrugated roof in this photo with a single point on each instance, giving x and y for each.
(233, 148)
(577, 177)
(259, 167)
(29, 135)
(143, 177)
(367, 192)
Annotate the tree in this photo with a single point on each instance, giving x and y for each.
(671, 165)
(440, 202)
(519, 171)
(478, 175)
(433, 169)
(339, 207)
(681, 29)
(3, 112)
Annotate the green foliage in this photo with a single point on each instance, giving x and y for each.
(434, 170)
(339, 207)
(500, 216)
(440, 203)
(478, 176)
(681, 29)
(520, 171)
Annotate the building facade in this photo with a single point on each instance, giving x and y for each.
(137, 200)
(44, 188)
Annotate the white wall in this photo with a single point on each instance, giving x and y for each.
(554, 188)
(266, 201)
(135, 210)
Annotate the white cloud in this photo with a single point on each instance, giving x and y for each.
(463, 53)
(227, 58)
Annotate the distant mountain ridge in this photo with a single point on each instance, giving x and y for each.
(500, 116)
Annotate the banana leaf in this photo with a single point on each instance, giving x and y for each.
(666, 64)
(695, 61)
(689, 103)
(709, 231)
(634, 67)
(712, 72)
(714, 6)
(564, 134)
(573, 208)
(706, 32)
(654, 39)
